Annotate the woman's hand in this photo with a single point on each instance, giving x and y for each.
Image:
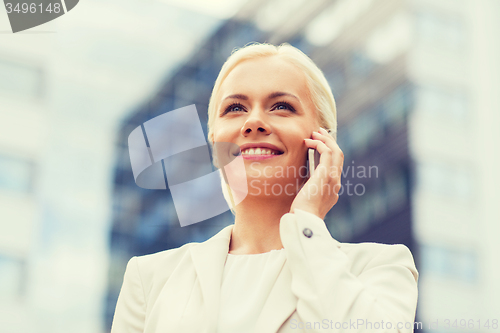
(320, 192)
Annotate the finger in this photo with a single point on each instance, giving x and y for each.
(332, 143)
(317, 144)
(326, 154)
(329, 140)
(334, 161)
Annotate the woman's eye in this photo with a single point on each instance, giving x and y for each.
(234, 108)
(283, 106)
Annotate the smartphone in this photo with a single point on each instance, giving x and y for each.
(312, 161)
(313, 158)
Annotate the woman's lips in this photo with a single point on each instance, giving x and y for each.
(256, 157)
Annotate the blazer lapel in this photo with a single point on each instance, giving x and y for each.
(280, 304)
(209, 259)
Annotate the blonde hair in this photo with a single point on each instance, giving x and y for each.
(318, 89)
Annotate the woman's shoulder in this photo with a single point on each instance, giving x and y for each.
(170, 254)
(151, 266)
(373, 249)
(162, 264)
(365, 256)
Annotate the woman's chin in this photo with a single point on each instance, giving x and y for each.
(274, 172)
(273, 187)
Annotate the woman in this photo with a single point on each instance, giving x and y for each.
(277, 269)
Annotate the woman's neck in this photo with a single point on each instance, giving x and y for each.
(256, 226)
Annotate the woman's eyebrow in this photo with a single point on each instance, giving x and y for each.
(281, 93)
(237, 96)
(270, 96)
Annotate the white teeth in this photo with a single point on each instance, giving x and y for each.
(259, 151)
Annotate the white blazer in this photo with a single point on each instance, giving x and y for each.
(335, 286)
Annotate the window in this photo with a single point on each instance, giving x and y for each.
(20, 80)
(457, 264)
(379, 204)
(369, 207)
(16, 174)
(449, 179)
(395, 189)
(396, 106)
(440, 30)
(339, 224)
(11, 277)
(439, 101)
(365, 129)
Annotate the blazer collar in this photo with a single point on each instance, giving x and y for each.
(209, 259)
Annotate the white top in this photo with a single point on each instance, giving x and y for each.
(242, 295)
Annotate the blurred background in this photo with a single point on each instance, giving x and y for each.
(417, 85)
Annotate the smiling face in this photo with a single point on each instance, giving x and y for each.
(265, 101)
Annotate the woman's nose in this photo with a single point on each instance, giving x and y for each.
(255, 124)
